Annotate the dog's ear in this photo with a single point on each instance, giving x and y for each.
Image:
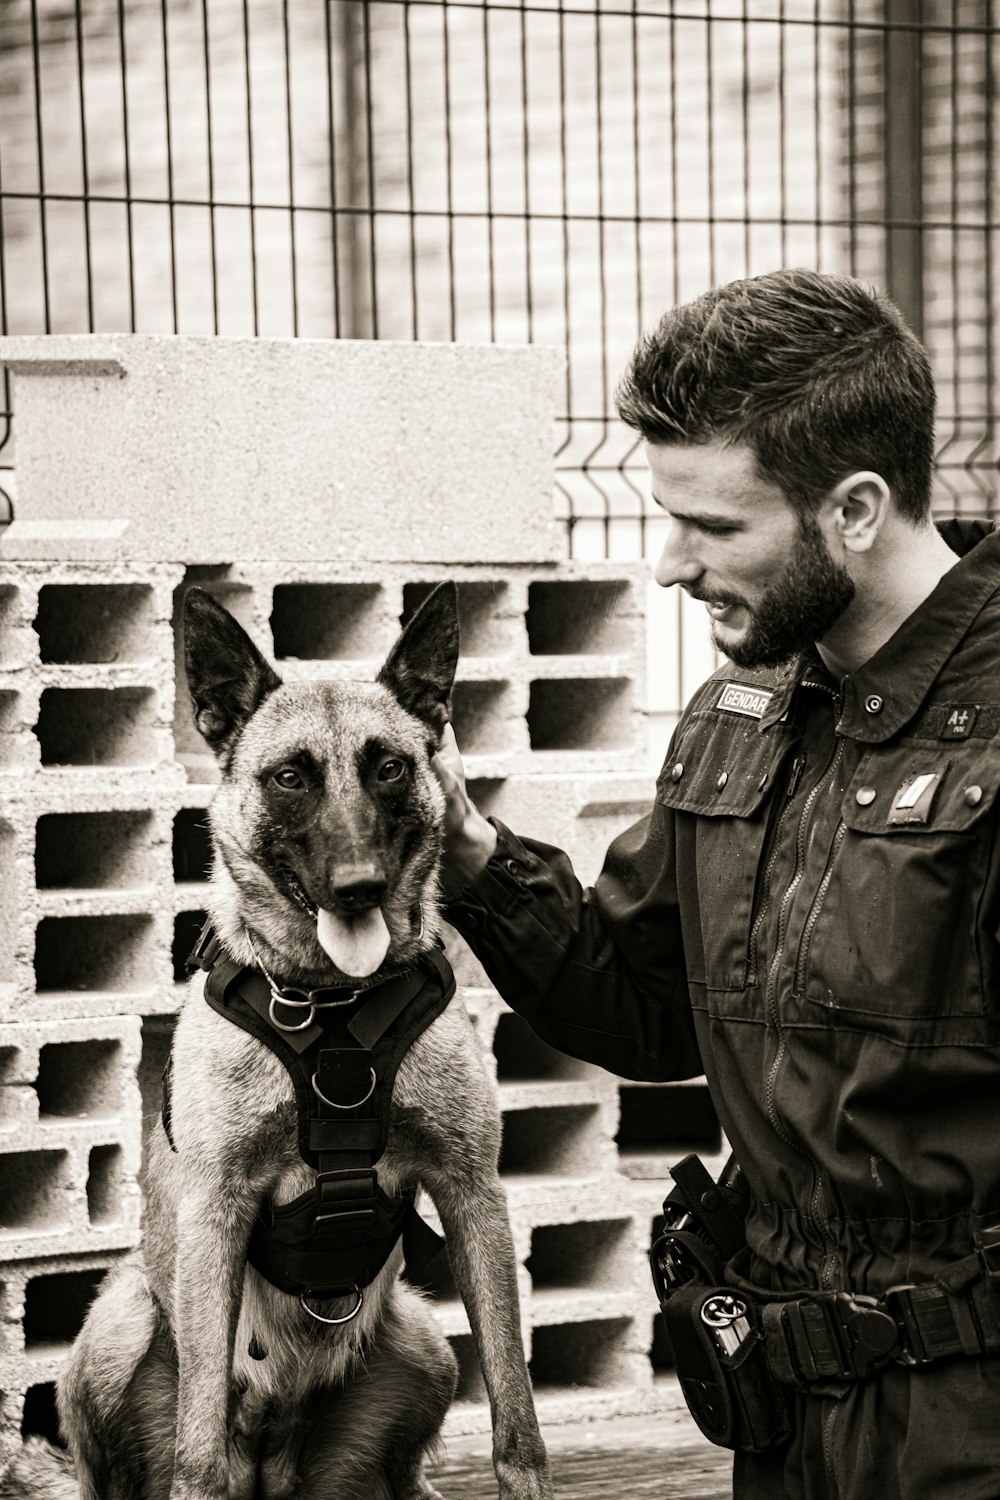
(420, 668)
(226, 674)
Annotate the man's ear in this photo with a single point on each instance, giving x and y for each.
(227, 676)
(857, 507)
(420, 669)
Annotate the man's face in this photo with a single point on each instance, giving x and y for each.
(765, 575)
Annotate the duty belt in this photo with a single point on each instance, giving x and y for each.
(832, 1336)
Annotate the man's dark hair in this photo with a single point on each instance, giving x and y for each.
(818, 375)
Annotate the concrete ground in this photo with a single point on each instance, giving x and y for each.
(648, 1457)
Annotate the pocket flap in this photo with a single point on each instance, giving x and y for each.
(721, 768)
(911, 789)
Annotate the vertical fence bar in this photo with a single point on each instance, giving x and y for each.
(449, 170)
(745, 116)
(710, 145)
(36, 58)
(564, 220)
(370, 196)
(210, 145)
(490, 221)
(852, 154)
(290, 152)
(254, 286)
(410, 199)
(526, 177)
(331, 146)
(6, 504)
(171, 197)
(88, 259)
(127, 167)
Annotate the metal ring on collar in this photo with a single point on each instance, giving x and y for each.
(277, 999)
(333, 1104)
(333, 1321)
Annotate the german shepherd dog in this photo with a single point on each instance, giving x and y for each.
(193, 1377)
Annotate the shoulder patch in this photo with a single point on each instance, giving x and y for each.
(744, 698)
(915, 798)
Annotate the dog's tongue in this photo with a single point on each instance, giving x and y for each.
(358, 944)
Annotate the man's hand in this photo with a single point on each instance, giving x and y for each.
(468, 839)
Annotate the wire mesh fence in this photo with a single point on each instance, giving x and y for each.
(544, 170)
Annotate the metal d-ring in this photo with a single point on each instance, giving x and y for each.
(277, 999)
(332, 1102)
(332, 1321)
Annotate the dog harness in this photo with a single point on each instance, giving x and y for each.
(342, 1049)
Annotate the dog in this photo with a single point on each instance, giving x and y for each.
(194, 1377)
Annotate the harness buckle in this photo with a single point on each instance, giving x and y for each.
(345, 1198)
(989, 1254)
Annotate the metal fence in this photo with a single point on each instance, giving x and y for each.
(550, 170)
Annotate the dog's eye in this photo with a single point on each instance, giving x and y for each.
(391, 770)
(288, 779)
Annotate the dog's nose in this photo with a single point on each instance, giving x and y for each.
(357, 887)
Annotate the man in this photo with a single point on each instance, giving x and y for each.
(810, 913)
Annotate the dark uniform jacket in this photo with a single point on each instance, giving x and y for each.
(809, 916)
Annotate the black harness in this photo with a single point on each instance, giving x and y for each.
(342, 1050)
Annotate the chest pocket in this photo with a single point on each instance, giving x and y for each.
(722, 772)
(903, 925)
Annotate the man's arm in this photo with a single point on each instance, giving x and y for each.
(599, 973)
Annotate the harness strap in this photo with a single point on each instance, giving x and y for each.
(336, 1237)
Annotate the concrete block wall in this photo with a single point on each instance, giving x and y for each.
(103, 855)
(104, 785)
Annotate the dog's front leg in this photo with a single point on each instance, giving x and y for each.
(474, 1217)
(213, 1227)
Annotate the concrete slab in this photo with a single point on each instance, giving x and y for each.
(215, 448)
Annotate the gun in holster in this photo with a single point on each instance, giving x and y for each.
(714, 1329)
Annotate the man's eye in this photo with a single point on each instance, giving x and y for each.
(288, 779)
(391, 770)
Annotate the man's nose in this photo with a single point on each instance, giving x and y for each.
(678, 561)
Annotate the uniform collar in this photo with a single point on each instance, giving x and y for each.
(884, 694)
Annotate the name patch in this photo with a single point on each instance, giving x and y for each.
(742, 698)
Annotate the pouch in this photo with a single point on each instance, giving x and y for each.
(734, 1398)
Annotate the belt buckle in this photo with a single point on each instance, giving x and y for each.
(867, 1334)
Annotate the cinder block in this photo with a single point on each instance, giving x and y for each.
(308, 452)
(70, 1120)
(661, 1122)
(42, 1307)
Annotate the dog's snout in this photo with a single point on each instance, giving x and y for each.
(358, 887)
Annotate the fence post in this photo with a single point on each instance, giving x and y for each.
(354, 123)
(904, 159)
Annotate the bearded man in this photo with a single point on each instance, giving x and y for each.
(810, 913)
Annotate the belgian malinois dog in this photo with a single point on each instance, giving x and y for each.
(193, 1377)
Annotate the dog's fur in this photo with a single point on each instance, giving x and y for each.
(161, 1399)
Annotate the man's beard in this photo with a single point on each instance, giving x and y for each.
(805, 601)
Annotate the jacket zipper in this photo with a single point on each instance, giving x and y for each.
(771, 1008)
(798, 765)
(814, 911)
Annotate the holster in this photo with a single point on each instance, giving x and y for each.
(723, 1371)
(733, 1398)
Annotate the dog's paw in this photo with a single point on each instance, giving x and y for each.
(526, 1484)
